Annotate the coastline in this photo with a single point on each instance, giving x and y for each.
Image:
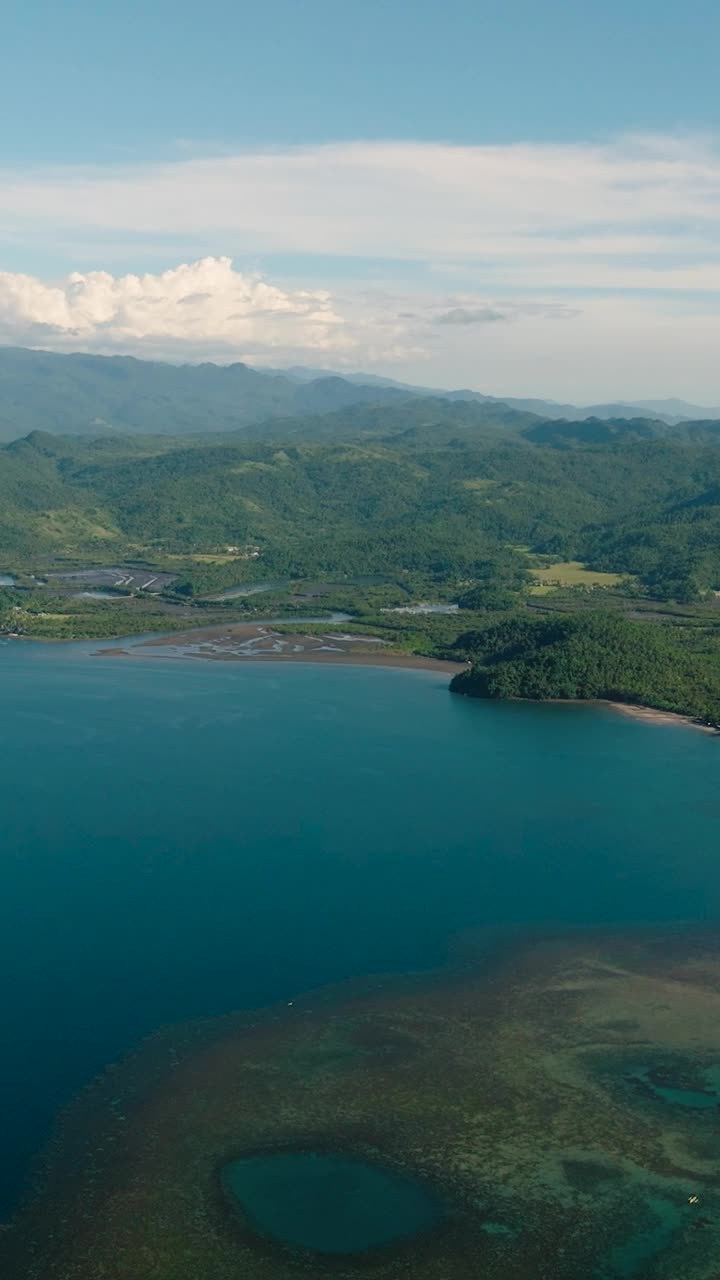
(261, 642)
(652, 715)
(256, 642)
(407, 661)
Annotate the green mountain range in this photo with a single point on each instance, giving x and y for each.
(94, 395)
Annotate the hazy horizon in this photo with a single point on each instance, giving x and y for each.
(641, 402)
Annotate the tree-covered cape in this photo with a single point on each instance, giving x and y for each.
(595, 655)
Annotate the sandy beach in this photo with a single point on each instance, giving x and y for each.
(651, 715)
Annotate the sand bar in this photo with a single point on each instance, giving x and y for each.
(257, 642)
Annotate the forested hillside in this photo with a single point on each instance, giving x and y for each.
(593, 656)
(648, 509)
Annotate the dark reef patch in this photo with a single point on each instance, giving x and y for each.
(328, 1203)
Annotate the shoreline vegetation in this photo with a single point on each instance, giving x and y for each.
(241, 642)
(264, 642)
(593, 657)
(408, 662)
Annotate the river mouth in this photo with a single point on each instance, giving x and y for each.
(327, 1203)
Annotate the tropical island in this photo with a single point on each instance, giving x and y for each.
(557, 557)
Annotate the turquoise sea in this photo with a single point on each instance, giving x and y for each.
(181, 838)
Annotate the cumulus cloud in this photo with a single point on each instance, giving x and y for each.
(192, 308)
(207, 309)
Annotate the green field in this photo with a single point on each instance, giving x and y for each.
(571, 573)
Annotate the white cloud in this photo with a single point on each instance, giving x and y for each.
(506, 233)
(186, 310)
(602, 348)
(650, 199)
(207, 309)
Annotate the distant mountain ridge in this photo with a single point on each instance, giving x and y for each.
(434, 422)
(91, 395)
(678, 408)
(670, 411)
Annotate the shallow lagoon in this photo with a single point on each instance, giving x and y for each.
(181, 839)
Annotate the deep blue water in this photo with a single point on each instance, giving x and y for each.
(184, 838)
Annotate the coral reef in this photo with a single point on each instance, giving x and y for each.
(561, 1102)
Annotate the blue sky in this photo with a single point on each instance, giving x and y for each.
(97, 80)
(548, 171)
